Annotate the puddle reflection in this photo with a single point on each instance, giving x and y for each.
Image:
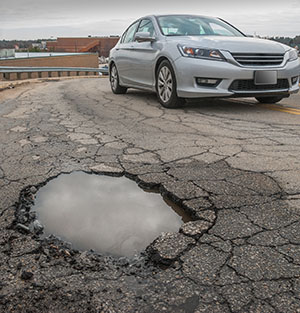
(108, 214)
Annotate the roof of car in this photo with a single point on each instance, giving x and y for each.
(160, 15)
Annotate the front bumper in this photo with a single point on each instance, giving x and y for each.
(188, 69)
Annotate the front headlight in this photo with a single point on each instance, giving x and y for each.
(293, 55)
(211, 54)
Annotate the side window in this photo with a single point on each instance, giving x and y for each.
(146, 26)
(123, 37)
(130, 33)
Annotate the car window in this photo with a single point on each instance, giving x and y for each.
(219, 30)
(123, 36)
(181, 27)
(189, 25)
(146, 25)
(130, 33)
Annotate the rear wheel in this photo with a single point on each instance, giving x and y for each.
(273, 99)
(166, 86)
(115, 82)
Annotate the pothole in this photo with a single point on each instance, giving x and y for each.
(111, 215)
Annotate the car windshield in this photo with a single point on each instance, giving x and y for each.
(184, 25)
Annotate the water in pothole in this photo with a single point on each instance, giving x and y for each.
(110, 215)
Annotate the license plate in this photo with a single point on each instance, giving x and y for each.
(265, 78)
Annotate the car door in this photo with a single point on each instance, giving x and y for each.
(123, 57)
(143, 56)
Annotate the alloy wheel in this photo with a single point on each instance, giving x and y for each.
(165, 84)
(114, 78)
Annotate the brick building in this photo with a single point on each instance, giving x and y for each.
(102, 45)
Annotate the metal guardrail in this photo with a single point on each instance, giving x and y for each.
(7, 70)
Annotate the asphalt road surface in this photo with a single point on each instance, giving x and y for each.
(233, 165)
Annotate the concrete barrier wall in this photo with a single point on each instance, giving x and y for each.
(81, 60)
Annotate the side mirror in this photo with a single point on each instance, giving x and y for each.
(144, 37)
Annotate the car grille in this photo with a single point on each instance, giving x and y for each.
(258, 59)
(248, 85)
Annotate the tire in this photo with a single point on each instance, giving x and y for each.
(269, 100)
(115, 82)
(166, 86)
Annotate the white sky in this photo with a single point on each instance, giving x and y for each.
(32, 19)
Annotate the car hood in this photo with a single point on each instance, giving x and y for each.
(232, 44)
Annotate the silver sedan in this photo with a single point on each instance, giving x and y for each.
(187, 56)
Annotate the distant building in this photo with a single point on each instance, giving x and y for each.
(36, 45)
(7, 53)
(102, 45)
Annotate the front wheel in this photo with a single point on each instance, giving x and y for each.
(166, 86)
(269, 100)
(115, 82)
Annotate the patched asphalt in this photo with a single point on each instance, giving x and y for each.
(232, 165)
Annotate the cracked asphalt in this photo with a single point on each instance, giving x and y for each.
(233, 165)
